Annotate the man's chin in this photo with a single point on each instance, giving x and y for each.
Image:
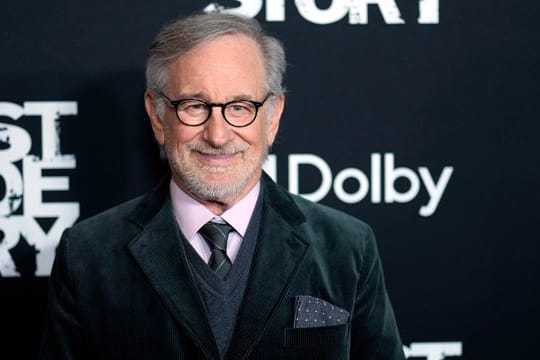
(218, 192)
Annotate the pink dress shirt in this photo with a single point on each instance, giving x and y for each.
(191, 215)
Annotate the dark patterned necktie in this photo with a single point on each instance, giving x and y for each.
(216, 235)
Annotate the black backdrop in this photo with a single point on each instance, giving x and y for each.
(458, 94)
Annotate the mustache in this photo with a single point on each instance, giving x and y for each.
(227, 149)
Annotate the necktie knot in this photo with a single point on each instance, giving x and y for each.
(216, 235)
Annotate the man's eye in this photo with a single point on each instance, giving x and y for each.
(236, 107)
(193, 107)
(240, 108)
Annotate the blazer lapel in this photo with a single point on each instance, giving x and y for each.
(161, 256)
(278, 255)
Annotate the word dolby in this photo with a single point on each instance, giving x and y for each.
(382, 181)
(356, 11)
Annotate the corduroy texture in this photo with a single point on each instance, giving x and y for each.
(122, 287)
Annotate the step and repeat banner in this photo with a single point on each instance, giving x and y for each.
(418, 116)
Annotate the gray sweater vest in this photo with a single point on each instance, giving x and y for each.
(222, 298)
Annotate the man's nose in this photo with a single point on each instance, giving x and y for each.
(217, 131)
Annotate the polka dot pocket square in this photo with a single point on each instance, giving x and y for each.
(314, 312)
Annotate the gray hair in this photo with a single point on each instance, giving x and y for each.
(182, 35)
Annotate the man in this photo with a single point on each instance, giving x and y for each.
(218, 262)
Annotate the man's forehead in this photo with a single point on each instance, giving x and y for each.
(228, 61)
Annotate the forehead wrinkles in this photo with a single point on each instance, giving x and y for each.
(228, 63)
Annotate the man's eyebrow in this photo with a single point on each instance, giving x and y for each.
(199, 96)
(205, 97)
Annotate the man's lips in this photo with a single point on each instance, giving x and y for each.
(216, 159)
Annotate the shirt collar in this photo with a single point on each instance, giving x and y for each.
(191, 215)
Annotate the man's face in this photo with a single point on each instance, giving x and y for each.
(217, 162)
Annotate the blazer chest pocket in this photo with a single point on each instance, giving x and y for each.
(316, 336)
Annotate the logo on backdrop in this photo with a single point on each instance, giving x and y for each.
(356, 11)
(381, 184)
(30, 227)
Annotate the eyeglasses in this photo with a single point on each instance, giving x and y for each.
(195, 112)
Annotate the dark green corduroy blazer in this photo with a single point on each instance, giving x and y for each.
(121, 287)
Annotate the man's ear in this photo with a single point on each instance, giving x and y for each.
(273, 122)
(155, 121)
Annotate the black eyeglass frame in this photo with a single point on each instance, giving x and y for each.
(174, 104)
